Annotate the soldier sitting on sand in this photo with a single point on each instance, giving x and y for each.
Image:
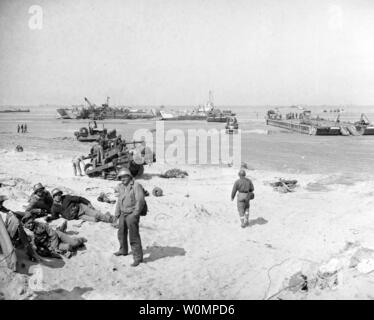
(40, 199)
(75, 207)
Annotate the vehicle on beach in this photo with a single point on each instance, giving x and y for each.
(115, 156)
(232, 125)
(93, 133)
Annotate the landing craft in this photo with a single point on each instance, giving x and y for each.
(94, 112)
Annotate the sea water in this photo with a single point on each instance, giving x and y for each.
(263, 147)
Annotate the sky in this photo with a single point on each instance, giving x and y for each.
(172, 52)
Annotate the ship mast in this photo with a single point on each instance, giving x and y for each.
(209, 105)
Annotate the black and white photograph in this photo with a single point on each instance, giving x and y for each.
(173, 150)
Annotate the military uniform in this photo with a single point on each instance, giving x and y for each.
(130, 204)
(77, 165)
(243, 186)
(74, 207)
(49, 241)
(43, 202)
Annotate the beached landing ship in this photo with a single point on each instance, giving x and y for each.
(102, 112)
(304, 123)
(301, 123)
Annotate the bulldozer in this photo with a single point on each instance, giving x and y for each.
(93, 133)
(112, 155)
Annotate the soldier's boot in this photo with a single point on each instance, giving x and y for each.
(247, 220)
(120, 253)
(81, 241)
(105, 218)
(115, 223)
(111, 218)
(137, 252)
(242, 220)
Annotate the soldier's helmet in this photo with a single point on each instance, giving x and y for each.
(38, 187)
(56, 191)
(124, 172)
(241, 173)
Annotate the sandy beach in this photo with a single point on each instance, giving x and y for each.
(194, 246)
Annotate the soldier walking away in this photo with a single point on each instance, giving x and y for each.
(244, 187)
(75, 207)
(77, 165)
(40, 199)
(22, 128)
(130, 206)
(25, 128)
(18, 128)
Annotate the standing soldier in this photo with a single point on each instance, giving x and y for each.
(245, 188)
(25, 127)
(77, 165)
(22, 128)
(130, 205)
(18, 128)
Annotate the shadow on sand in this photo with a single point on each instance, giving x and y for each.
(259, 221)
(157, 252)
(149, 176)
(72, 233)
(24, 263)
(62, 294)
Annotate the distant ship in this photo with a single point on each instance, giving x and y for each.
(194, 115)
(102, 112)
(206, 112)
(14, 110)
(65, 113)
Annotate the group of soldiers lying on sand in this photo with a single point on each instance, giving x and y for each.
(40, 239)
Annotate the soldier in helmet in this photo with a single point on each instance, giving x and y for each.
(130, 205)
(75, 207)
(244, 187)
(51, 243)
(40, 199)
